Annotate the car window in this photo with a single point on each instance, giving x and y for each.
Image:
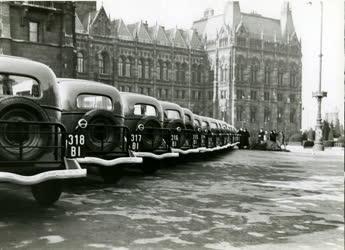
(144, 110)
(187, 118)
(197, 123)
(172, 114)
(89, 101)
(213, 125)
(15, 85)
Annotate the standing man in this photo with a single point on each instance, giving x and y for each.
(246, 138)
(261, 136)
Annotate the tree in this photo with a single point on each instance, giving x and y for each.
(325, 129)
(330, 135)
(336, 129)
(311, 135)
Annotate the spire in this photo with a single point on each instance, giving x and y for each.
(287, 26)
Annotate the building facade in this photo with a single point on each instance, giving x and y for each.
(256, 67)
(238, 67)
(42, 31)
(168, 64)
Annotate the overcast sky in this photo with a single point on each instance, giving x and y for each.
(182, 13)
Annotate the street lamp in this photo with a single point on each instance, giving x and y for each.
(318, 146)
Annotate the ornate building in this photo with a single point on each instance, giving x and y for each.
(42, 31)
(243, 68)
(256, 64)
(167, 64)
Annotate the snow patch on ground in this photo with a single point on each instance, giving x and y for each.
(52, 239)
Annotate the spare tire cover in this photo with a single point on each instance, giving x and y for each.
(151, 138)
(100, 129)
(34, 138)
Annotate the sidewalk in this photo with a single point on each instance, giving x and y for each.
(328, 150)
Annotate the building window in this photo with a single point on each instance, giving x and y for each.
(210, 95)
(166, 71)
(160, 70)
(240, 94)
(241, 41)
(292, 115)
(178, 72)
(177, 93)
(266, 96)
(292, 98)
(147, 70)
(128, 67)
(239, 114)
(280, 115)
(280, 77)
(221, 73)
(120, 67)
(33, 31)
(199, 74)
(183, 72)
(253, 95)
(103, 63)
(293, 78)
(194, 73)
(239, 72)
(159, 93)
(253, 73)
(140, 69)
(253, 115)
(223, 94)
(280, 97)
(267, 75)
(80, 62)
(183, 94)
(266, 115)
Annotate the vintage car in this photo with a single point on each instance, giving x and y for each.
(206, 129)
(148, 138)
(99, 107)
(32, 139)
(202, 133)
(175, 121)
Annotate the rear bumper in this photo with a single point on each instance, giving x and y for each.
(73, 171)
(110, 163)
(156, 156)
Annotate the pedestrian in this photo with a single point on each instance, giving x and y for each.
(273, 137)
(246, 138)
(266, 136)
(261, 136)
(283, 139)
(241, 135)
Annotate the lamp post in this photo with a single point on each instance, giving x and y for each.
(318, 146)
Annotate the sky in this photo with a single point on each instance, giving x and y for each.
(182, 13)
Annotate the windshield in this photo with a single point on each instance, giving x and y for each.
(144, 110)
(172, 114)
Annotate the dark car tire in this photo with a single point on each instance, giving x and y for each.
(47, 193)
(111, 175)
(150, 166)
(23, 109)
(112, 135)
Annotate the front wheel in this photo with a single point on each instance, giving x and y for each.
(47, 193)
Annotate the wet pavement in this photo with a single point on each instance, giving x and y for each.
(237, 200)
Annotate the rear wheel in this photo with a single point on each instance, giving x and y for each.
(110, 174)
(150, 166)
(47, 193)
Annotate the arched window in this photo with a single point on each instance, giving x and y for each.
(253, 112)
(293, 75)
(178, 78)
(268, 71)
(239, 69)
(147, 70)
(240, 113)
(225, 73)
(292, 115)
(266, 115)
(140, 68)
(199, 74)
(254, 68)
(103, 63)
(194, 73)
(120, 67)
(128, 68)
(183, 72)
(221, 73)
(160, 71)
(280, 73)
(166, 71)
(80, 62)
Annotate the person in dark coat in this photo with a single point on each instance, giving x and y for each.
(241, 135)
(246, 138)
(261, 136)
(273, 136)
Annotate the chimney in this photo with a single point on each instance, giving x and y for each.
(232, 14)
(208, 13)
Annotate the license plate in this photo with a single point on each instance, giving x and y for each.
(174, 140)
(135, 141)
(195, 140)
(75, 145)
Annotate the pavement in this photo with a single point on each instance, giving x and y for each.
(237, 200)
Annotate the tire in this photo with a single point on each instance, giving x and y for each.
(47, 193)
(11, 135)
(95, 134)
(151, 138)
(150, 166)
(111, 175)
